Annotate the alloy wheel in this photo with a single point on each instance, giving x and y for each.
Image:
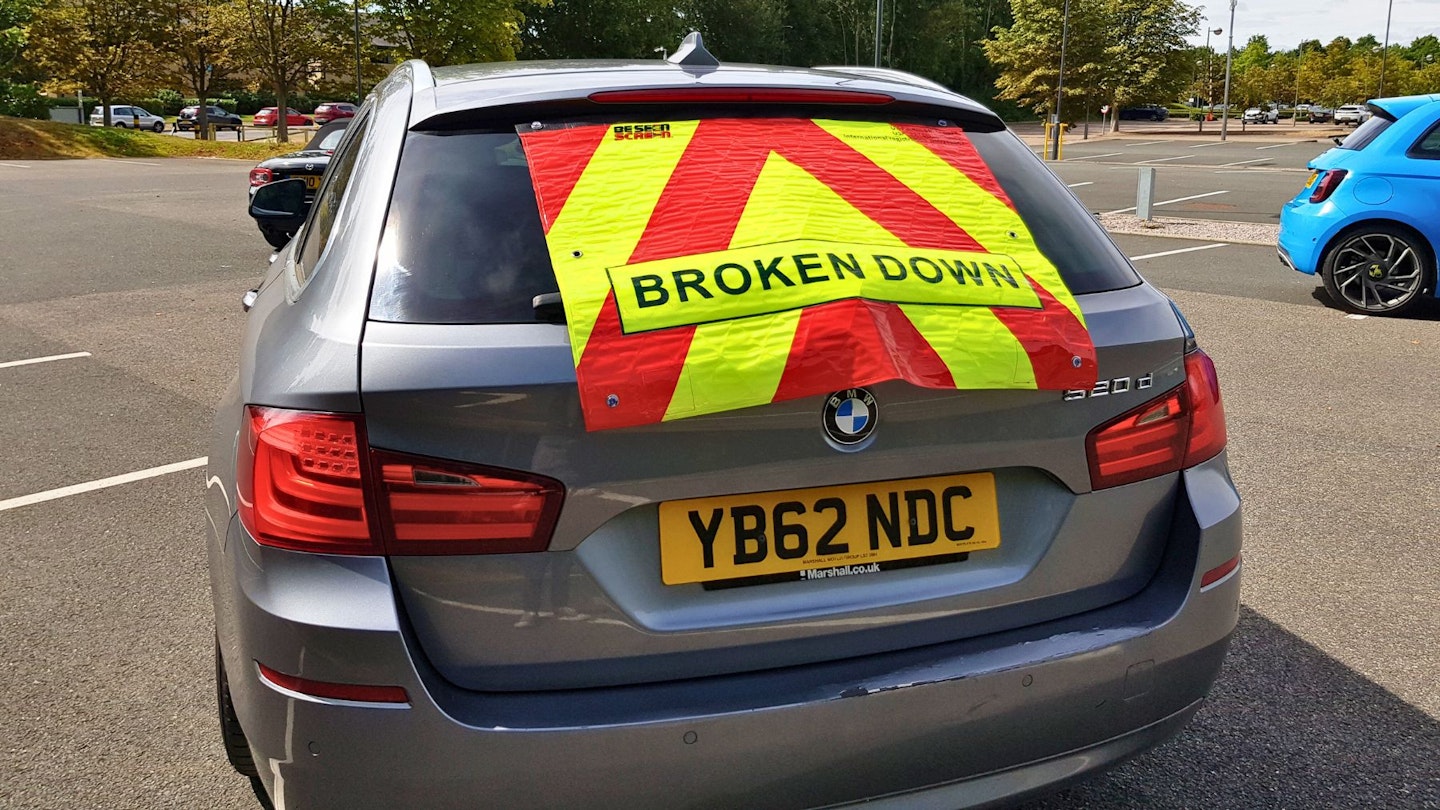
(1376, 271)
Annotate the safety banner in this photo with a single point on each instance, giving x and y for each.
(719, 264)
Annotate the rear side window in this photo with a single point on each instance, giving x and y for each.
(1367, 132)
(464, 243)
(1428, 147)
(316, 234)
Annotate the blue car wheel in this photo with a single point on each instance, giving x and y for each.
(1378, 270)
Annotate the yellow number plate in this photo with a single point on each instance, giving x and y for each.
(312, 181)
(1310, 182)
(828, 531)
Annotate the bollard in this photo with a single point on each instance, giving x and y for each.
(1145, 195)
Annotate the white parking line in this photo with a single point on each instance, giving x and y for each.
(1174, 252)
(1148, 143)
(1207, 145)
(128, 162)
(15, 165)
(1243, 162)
(90, 486)
(32, 361)
(1177, 199)
(1161, 160)
(1278, 145)
(1077, 185)
(1092, 157)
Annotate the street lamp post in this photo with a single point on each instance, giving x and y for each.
(879, 10)
(1060, 83)
(1229, 52)
(1209, 83)
(1386, 52)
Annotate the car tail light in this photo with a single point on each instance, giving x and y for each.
(1179, 429)
(1328, 182)
(309, 482)
(739, 95)
(259, 176)
(439, 507)
(301, 482)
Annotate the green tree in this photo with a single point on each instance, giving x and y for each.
(103, 46)
(1027, 52)
(741, 30)
(1122, 51)
(444, 32)
(203, 39)
(14, 16)
(286, 41)
(602, 29)
(1146, 60)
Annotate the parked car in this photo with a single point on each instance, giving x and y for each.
(216, 117)
(1144, 112)
(544, 499)
(127, 116)
(1261, 115)
(308, 165)
(1352, 114)
(268, 117)
(334, 110)
(1320, 115)
(1365, 221)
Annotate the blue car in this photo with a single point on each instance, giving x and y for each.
(1368, 219)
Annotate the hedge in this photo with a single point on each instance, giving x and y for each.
(23, 101)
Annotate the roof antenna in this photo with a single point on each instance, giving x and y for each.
(692, 53)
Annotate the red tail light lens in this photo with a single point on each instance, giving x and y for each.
(259, 177)
(301, 482)
(739, 95)
(1180, 428)
(308, 482)
(1207, 413)
(439, 507)
(1328, 182)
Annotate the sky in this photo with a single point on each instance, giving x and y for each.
(1286, 22)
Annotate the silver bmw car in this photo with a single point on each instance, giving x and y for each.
(681, 434)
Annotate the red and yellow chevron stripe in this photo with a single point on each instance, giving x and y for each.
(719, 264)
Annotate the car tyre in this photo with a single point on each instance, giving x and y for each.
(159, 126)
(1366, 265)
(275, 236)
(120, 125)
(237, 748)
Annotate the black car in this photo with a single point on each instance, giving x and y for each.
(308, 164)
(1144, 112)
(217, 117)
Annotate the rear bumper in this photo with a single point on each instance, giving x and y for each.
(963, 724)
(1305, 230)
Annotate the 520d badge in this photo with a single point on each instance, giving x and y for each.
(849, 416)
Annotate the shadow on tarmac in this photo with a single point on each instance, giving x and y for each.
(1324, 735)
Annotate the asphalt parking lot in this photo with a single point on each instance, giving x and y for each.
(119, 321)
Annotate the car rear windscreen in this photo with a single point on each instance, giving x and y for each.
(464, 243)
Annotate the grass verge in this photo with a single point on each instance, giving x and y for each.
(27, 139)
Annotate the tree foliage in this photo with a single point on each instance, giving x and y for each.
(14, 17)
(103, 46)
(204, 41)
(601, 29)
(445, 32)
(1119, 52)
(286, 41)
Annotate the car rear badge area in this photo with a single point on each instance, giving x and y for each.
(848, 419)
